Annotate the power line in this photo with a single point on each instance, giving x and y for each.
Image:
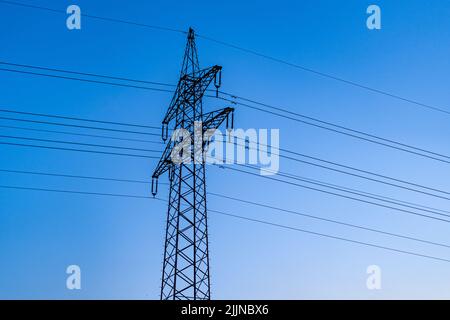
(230, 215)
(85, 74)
(279, 180)
(219, 212)
(52, 174)
(386, 142)
(234, 97)
(284, 156)
(138, 24)
(334, 125)
(350, 173)
(85, 80)
(329, 76)
(81, 134)
(77, 119)
(79, 143)
(279, 173)
(90, 74)
(281, 149)
(338, 131)
(339, 195)
(329, 236)
(79, 126)
(272, 113)
(290, 176)
(354, 191)
(291, 158)
(359, 170)
(77, 150)
(351, 191)
(76, 192)
(146, 182)
(249, 51)
(261, 205)
(377, 195)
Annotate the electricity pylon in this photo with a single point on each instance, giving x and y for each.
(186, 257)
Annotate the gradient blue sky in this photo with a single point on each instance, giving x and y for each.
(118, 243)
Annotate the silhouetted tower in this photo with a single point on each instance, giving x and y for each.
(186, 258)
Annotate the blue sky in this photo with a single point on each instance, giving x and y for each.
(118, 243)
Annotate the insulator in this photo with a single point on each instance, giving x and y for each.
(218, 82)
(171, 173)
(165, 131)
(154, 186)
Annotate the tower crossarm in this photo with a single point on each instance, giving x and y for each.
(213, 119)
(164, 163)
(189, 86)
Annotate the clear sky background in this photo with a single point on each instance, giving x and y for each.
(118, 243)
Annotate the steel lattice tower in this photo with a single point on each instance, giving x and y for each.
(186, 258)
